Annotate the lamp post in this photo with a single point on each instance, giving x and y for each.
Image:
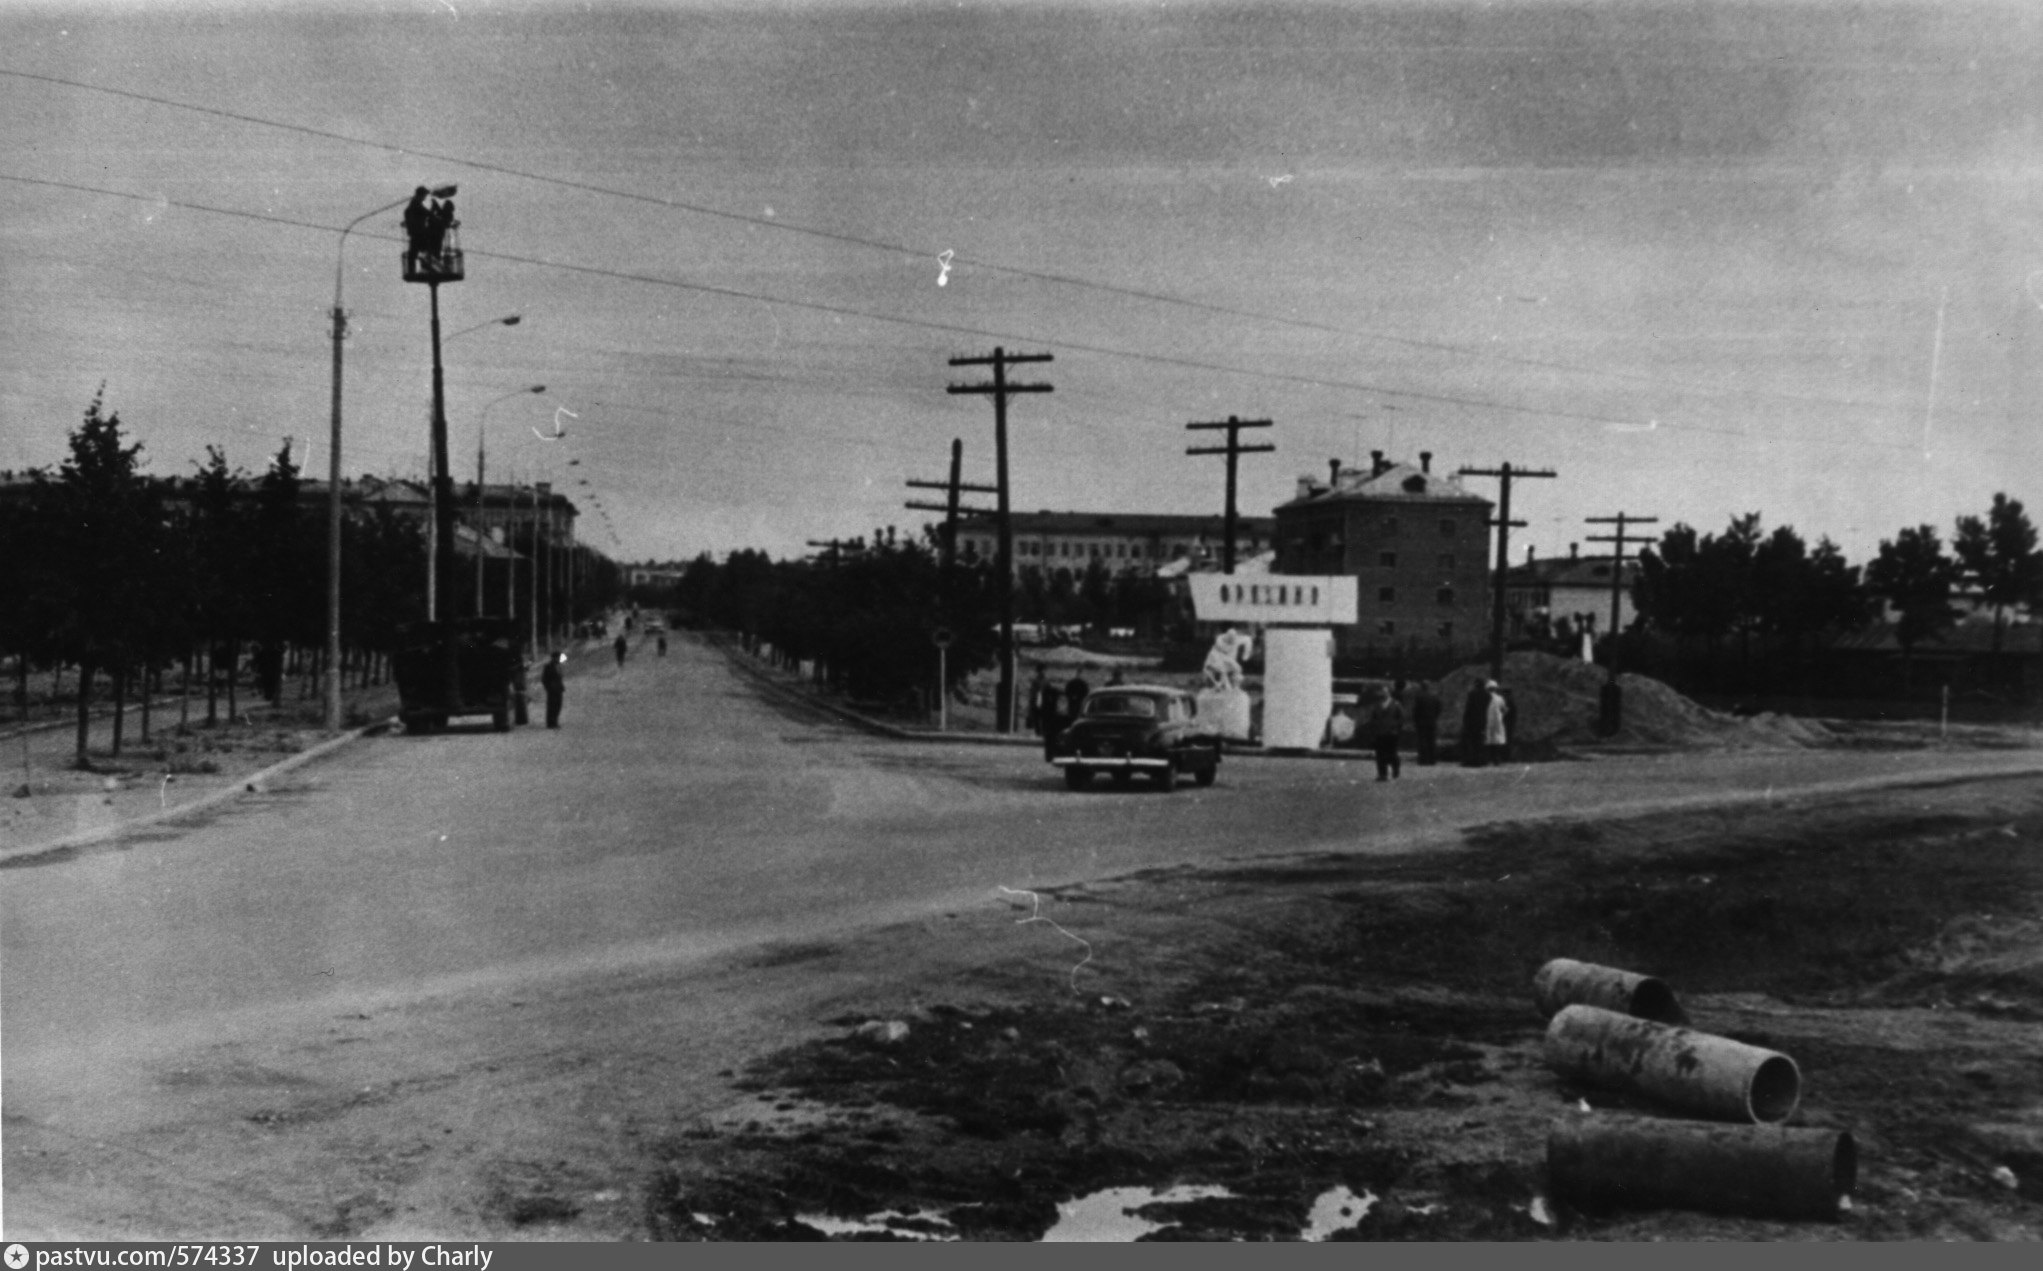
(511, 321)
(481, 500)
(333, 470)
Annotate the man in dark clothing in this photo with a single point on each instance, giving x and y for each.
(1075, 691)
(438, 223)
(661, 641)
(1475, 723)
(417, 222)
(1426, 724)
(1044, 711)
(549, 679)
(619, 648)
(1386, 721)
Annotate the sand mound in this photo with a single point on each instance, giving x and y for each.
(1557, 705)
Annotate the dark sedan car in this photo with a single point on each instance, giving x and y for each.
(1127, 729)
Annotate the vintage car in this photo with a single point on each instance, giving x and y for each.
(1125, 729)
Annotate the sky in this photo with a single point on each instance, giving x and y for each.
(1698, 259)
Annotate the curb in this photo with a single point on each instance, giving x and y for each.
(253, 783)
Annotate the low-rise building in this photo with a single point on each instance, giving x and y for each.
(1572, 591)
(1122, 542)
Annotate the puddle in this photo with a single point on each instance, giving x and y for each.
(1104, 1216)
(1336, 1210)
(883, 1223)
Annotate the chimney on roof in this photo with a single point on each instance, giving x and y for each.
(1574, 551)
(1376, 463)
(1530, 551)
(1334, 474)
(1426, 462)
(1307, 487)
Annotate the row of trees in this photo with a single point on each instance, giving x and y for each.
(1779, 600)
(864, 615)
(122, 575)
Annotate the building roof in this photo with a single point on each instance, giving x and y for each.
(1394, 482)
(1567, 571)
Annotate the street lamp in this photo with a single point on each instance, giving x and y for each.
(482, 422)
(333, 469)
(511, 321)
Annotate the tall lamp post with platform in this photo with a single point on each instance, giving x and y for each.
(434, 258)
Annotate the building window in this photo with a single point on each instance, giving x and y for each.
(1445, 595)
(1447, 562)
(1386, 595)
(1387, 560)
(1446, 631)
(1447, 527)
(1387, 627)
(1390, 527)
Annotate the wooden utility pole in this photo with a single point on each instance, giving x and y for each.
(1233, 450)
(1000, 390)
(950, 507)
(1505, 474)
(1617, 542)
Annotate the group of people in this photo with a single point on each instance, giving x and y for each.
(1488, 719)
(426, 222)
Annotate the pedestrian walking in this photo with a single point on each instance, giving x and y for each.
(1386, 722)
(1475, 717)
(1496, 725)
(620, 648)
(556, 688)
(661, 643)
(1426, 724)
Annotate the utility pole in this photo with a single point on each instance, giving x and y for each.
(950, 507)
(1505, 474)
(1233, 450)
(1618, 541)
(1000, 390)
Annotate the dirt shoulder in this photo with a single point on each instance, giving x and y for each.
(1281, 1031)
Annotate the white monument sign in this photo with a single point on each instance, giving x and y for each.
(1298, 657)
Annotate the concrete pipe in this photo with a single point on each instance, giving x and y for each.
(1710, 1076)
(1566, 982)
(1760, 1171)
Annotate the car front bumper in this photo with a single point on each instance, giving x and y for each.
(1112, 763)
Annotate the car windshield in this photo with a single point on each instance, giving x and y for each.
(1140, 705)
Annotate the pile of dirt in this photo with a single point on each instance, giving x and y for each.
(1558, 704)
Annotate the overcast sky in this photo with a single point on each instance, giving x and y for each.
(1700, 259)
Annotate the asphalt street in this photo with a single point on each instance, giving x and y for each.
(682, 811)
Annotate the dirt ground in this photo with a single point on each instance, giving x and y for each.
(1267, 1034)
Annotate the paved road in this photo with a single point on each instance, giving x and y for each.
(679, 812)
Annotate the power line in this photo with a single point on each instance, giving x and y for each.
(899, 249)
(987, 333)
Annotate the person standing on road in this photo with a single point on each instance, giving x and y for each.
(1043, 711)
(661, 641)
(620, 648)
(1475, 716)
(555, 687)
(1386, 721)
(1075, 692)
(1496, 724)
(1426, 724)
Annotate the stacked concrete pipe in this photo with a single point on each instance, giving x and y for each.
(1710, 1076)
(1565, 982)
(1766, 1171)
